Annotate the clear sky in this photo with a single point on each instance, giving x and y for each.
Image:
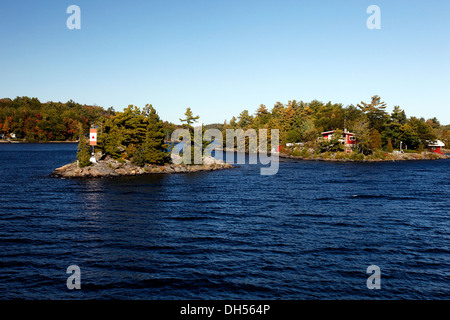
(221, 57)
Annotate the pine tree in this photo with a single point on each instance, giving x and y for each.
(111, 143)
(245, 120)
(190, 118)
(398, 116)
(375, 111)
(83, 154)
(153, 146)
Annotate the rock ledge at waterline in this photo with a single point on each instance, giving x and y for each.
(113, 168)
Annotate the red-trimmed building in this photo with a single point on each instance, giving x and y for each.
(347, 138)
(436, 146)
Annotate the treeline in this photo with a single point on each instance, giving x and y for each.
(374, 127)
(128, 134)
(28, 119)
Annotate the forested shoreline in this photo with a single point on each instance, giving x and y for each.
(27, 119)
(300, 121)
(30, 120)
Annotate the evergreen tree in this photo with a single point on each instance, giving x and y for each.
(245, 120)
(262, 115)
(423, 130)
(83, 153)
(111, 143)
(398, 116)
(375, 111)
(153, 147)
(409, 137)
(190, 118)
(233, 123)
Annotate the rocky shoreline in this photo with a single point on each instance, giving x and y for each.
(109, 168)
(388, 157)
(34, 142)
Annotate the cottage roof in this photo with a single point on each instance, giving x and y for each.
(332, 131)
(437, 143)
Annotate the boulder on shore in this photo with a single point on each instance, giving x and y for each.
(113, 168)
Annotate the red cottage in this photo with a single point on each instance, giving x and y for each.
(435, 146)
(348, 138)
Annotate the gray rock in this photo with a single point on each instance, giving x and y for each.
(112, 168)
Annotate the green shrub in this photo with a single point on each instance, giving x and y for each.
(305, 152)
(296, 152)
(341, 155)
(379, 154)
(324, 155)
(356, 156)
(138, 158)
(420, 148)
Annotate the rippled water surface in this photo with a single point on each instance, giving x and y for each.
(309, 232)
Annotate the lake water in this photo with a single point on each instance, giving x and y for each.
(308, 232)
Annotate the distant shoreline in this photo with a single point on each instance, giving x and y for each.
(389, 158)
(40, 142)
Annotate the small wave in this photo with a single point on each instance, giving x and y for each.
(435, 250)
(403, 198)
(325, 199)
(375, 196)
(342, 181)
(151, 283)
(367, 196)
(26, 241)
(190, 218)
(312, 214)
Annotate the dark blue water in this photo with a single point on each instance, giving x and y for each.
(309, 232)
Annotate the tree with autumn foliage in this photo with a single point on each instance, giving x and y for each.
(374, 140)
(33, 121)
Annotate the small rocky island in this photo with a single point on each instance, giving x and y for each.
(110, 167)
(132, 143)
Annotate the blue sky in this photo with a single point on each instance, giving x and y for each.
(221, 57)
